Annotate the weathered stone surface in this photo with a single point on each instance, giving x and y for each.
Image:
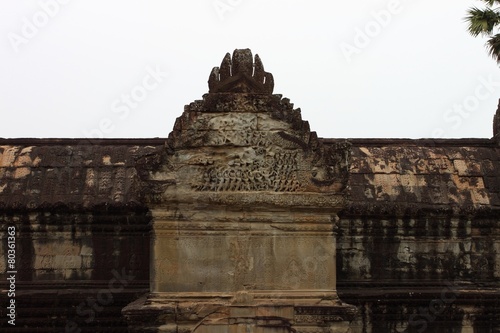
(252, 143)
(403, 175)
(65, 260)
(240, 74)
(79, 174)
(422, 219)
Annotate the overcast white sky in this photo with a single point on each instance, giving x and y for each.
(369, 68)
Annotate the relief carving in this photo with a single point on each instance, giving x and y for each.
(232, 154)
(240, 138)
(257, 169)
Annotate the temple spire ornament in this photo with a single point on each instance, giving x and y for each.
(241, 74)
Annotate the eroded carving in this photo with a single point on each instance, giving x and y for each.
(240, 74)
(255, 152)
(317, 315)
(257, 169)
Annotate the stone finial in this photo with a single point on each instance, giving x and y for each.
(240, 74)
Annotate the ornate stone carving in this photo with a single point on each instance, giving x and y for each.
(259, 170)
(247, 142)
(240, 74)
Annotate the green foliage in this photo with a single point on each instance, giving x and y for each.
(484, 22)
(491, 2)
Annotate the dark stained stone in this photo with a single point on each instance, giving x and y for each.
(240, 74)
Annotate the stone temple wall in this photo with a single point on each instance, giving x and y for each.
(422, 218)
(419, 243)
(80, 228)
(103, 227)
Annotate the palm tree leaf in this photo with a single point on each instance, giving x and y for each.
(491, 2)
(482, 22)
(493, 46)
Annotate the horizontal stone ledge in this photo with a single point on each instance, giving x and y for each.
(190, 223)
(104, 207)
(415, 293)
(254, 200)
(381, 209)
(259, 296)
(71, 286)
(245, 228)
(222, 215)
(292, 235)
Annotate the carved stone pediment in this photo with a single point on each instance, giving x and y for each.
(229, 145)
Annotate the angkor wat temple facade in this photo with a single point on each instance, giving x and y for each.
(243, 220)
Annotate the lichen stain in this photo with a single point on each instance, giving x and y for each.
(480, 196)
(9, 155)
(36, 161)
(22, 172)
(22, 161)
(365, 151)
(106, 160)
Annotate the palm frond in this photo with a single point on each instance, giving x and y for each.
(493, 46)
(492, 2)
(482, 22)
